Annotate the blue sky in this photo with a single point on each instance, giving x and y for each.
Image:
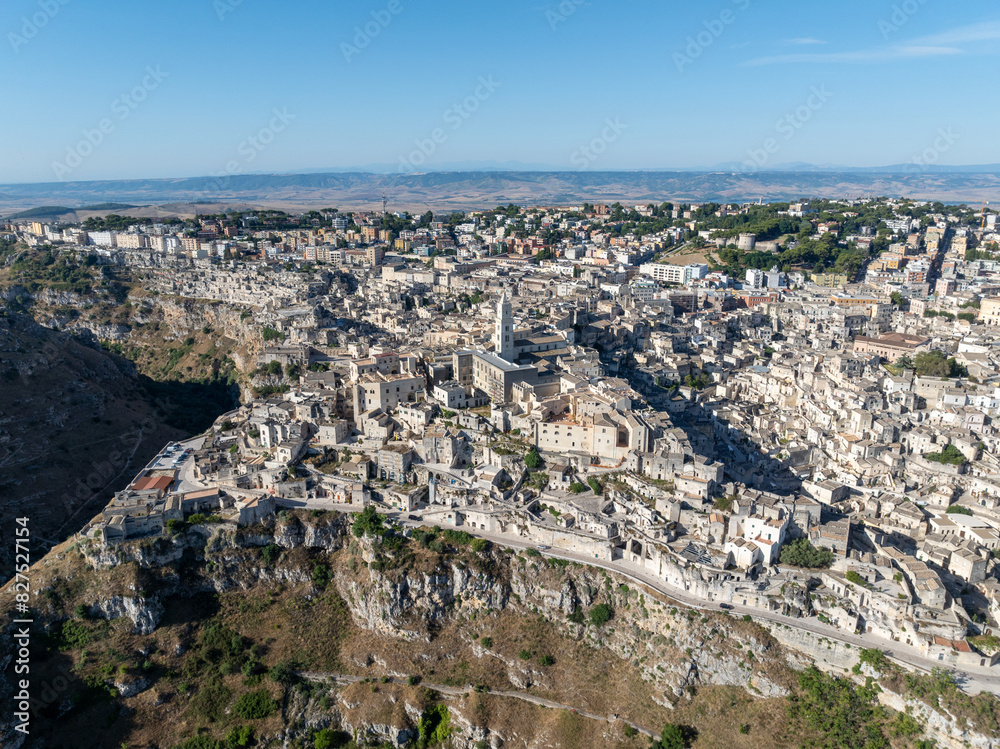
(102, 90)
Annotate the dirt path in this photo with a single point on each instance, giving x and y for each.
(462, 692)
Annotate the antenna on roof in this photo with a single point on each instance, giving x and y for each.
(385, 202)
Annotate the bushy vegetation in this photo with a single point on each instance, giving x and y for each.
(434, 727)
(601, 614)
(269, 554)
(950, 456)
(255, 705)
(856, 579)
(801, 553)
(240, 737)
(532, 459)
(368, 523)
(936, 364)
(674, 736)
(845, 715)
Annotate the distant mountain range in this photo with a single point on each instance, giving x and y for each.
(441, 190)
(726, 166)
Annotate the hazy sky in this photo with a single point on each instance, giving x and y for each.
(103, 90)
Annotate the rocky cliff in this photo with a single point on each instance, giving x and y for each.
(370, 636)
(75, 425)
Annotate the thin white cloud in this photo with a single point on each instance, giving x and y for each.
(883, 54)
(804, 41)
(978, 32)
(933, 45)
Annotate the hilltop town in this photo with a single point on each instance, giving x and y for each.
(784, 408)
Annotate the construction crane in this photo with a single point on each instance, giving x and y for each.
(385, 203)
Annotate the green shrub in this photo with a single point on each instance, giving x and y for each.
(175, 526)
(210, 702)
(321, 576)
(801, 553)
(368, 523)
(854, 577)
(327, 738)
(74, 635)
(532, 459)
(524, 655)
(239, 737)
(201, 742)
(283, 673)
(601, 614)
(269, 554)
(434, 726)
(577, 488)
(546, 660)
(255, 705)
(950, 456)
(486, 642)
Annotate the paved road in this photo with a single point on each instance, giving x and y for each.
(970, 680)
(462, 692)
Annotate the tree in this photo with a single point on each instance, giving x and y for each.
(327, 738)
(904, 362)
(674, 736)
(533, 460)
(936, 364)
(896, 298)
(175, 526)
(801, 553)
(601, 614)
(843, 713)
(368, 523)
(950, 456)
